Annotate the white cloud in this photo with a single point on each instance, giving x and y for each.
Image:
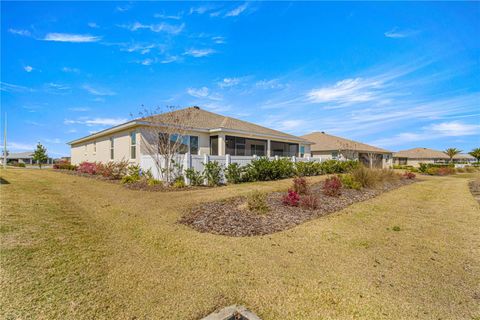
(123, 8)
(170, 59)
(79, 109)
(229, 82)
(198, 53)
(172, 17)
(141, 48)
(9, 87)
(454, 129)
(56, 86)
(93, 25)
(28, 68)
(204, 93)
(20, 32)
(98, 91)
(269, 84)
(198, 93)
(69, 37)
(347, 91)
(199, 10)
(237, 11)
(147, 62)
(395, 33)
(96, 121)
(219, 40)
(160, 27)
(289, 125)
(71, 70)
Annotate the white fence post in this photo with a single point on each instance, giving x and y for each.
(294, 159)
(206, 159)
(228, 160)
(187, 164)
(276, 157)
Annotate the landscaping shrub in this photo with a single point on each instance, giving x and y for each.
(213, 173)
(233, 173)
(87, 167)
(152, 181)
(367, 178)
(291, 198)
(257, 202)
(309, 202)
(469, 169)
(179, 183)
(332, 187)
(17, 164)
(460, 170)
(130, 179)
(195, 177)
(263, 169)
(335, 166)
(424, 167)
(349, 182)
(386, 175)
(300, 185)
(64, 165)
(307, 168)
(440, 171)
(408, 175)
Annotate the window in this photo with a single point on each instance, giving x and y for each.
(335, 155)
(214, 145)
(238, 146)
(112, 154)
(94, 147)
(133, 145)
(193, 144)
(283, 149)
(302, 151)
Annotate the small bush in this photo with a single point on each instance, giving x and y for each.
(440, 171)
(291, 198)
(469, 169)
(367, 178)
(408, 175)
(130, 179)
(213, 173)
(307, 168)
(153, 182)
(300, 185)
(309, 202)
(179, 183)
(396, 228)
(17, 164)
(233, 173)
(349, 182)
(195, 177)
(87, 167)
(460, 170)
(257, 202)
(332, 187)
(386, 175)
(64, 165)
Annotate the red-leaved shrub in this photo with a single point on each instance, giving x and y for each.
(445, 171)
(291, 198)
(332, 186)
(64, 165)
(300, 185)
(309, 202)
(408, 175)
(87, 167)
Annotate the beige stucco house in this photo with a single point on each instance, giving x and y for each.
(413, 157)
(328, 146)
(208, 133)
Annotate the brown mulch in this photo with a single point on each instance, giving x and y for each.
(86, 175)
(232, 218)
(475, 189)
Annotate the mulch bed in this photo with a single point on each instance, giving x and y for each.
(232, 218)
(475, 189)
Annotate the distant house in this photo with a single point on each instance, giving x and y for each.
(208, 134)
(328, 146)
(22, 157)
(415, 156)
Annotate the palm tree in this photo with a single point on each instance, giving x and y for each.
(452, 152)
(475, 153)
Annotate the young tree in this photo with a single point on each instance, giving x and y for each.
(475, 153)
(165, 135)
(451, 153)
(40, 154)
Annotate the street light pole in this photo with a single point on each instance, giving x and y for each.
(5, 143)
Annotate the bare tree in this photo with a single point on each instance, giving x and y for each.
(347, 150)
(164, 137)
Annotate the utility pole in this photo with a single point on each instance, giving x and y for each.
(5, 143)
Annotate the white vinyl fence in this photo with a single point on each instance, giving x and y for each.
(187, 161)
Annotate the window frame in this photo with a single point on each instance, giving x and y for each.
(133, 145)
(112, 148)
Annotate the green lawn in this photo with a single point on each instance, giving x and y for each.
(77, 248)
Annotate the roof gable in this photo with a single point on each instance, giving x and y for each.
(327, 142)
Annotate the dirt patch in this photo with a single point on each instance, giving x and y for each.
(232, 218)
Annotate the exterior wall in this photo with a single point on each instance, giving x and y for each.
(387, 158)
(416, 162)
(322, 154)
(85, 151)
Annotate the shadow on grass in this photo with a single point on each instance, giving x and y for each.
(3, 181)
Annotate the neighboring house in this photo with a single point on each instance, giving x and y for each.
(22, 157)
(332, 147)
(413, 157)
(208, 134)
(464, 158)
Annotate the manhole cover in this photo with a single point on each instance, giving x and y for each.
(232, 313)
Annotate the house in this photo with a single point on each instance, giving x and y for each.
(413, 157)
(208, 134)
(23, 157)
(327, 146)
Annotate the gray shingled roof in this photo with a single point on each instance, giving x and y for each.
(20, 155)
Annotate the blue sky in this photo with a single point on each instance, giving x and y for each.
(398, 75)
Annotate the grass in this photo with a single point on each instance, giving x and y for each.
(77, 248)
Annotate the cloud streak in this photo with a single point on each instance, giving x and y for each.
(98, 91)
(199, 53)
(70, 37)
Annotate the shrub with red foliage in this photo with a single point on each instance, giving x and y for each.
(291, 198)
(300, 185)
(445, 171)
(87, 167)
(309, 202)
(408, 175)
(64, 165)
(332, 187)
